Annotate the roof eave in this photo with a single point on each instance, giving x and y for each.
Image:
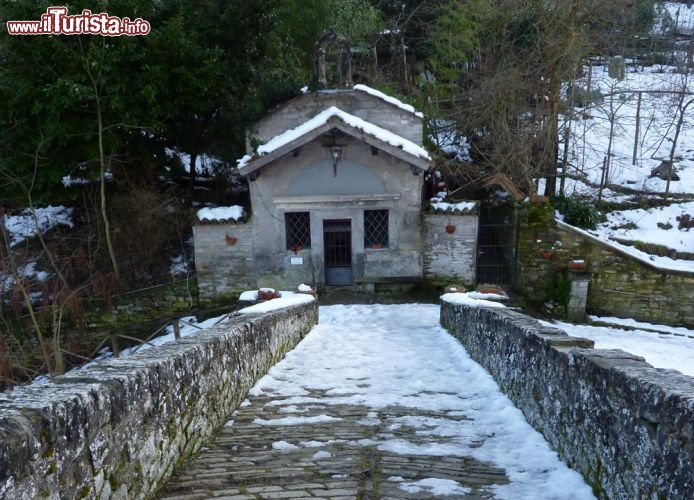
(334, 122)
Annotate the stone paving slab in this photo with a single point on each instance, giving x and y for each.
(335, 460)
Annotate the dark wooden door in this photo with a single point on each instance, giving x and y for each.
(337, 246)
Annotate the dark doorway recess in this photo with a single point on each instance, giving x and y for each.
(337, 241)
(496, 239)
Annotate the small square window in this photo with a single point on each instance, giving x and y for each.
(297, 227)
(375, 228)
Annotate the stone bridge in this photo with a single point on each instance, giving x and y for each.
(375, 402)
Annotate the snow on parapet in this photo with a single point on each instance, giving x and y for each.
(661, 263)
(467, 300)
(220, 214)
(438, 205)
(353, 121)
(389, 99)
(275, 304)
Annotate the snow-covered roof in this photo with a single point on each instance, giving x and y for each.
(220, 214)
(388, 99)
(334, 113)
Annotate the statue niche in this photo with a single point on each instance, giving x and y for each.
(345, 64)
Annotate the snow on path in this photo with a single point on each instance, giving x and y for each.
(377, 356)
(662, 351)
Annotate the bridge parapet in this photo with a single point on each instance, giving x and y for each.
(118, 428)
(626, 426)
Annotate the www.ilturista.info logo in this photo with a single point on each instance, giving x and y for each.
(56, 21)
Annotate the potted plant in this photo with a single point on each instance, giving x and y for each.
(450, 228)
(231, 241)
(577, 265)
(295, 248)
(376, 246)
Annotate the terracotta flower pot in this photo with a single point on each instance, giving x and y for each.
(295, 248)
(231, 241)
(547, 254)
(450, 229)
(577, 266)
(376, 246)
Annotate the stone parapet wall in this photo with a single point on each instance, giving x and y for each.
(118, 428)
(626, 426)
(450, 256)
(620, 285)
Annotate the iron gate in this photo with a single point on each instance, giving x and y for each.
(496, 245)
(337, 245)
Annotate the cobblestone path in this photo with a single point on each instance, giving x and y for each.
(343, 417)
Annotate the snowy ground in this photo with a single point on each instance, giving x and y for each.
(590, 127)
(378, 356)
(663, 350)
(27, 224)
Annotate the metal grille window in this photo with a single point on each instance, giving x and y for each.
(375, 228)
(297, 227)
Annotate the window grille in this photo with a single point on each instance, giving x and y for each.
(375, 228)
(297, 227)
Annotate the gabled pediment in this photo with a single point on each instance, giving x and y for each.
(325, 122)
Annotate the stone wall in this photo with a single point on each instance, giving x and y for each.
(224, 269)
(118, 428)
(152, 304)
(620, 284)
(450, 256)
(626, 426)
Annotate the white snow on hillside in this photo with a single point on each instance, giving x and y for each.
(661, 351)
(377, 356)
(204, 164)
(446, 136)
(27, 224)
(647, 229)
(591, 129)
(673, 16)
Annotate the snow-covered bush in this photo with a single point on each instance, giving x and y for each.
(577, 212)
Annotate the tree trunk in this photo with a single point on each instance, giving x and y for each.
(638, 130)
(193, 173)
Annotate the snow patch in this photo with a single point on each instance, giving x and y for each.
(661, 351)
(434, 486)
(388, 99)
(283, 445)
(27, 224)
(317, 419)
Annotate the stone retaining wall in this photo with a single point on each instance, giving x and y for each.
(132, 308)
(118, 428)
(626, 426)
(620, 284)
